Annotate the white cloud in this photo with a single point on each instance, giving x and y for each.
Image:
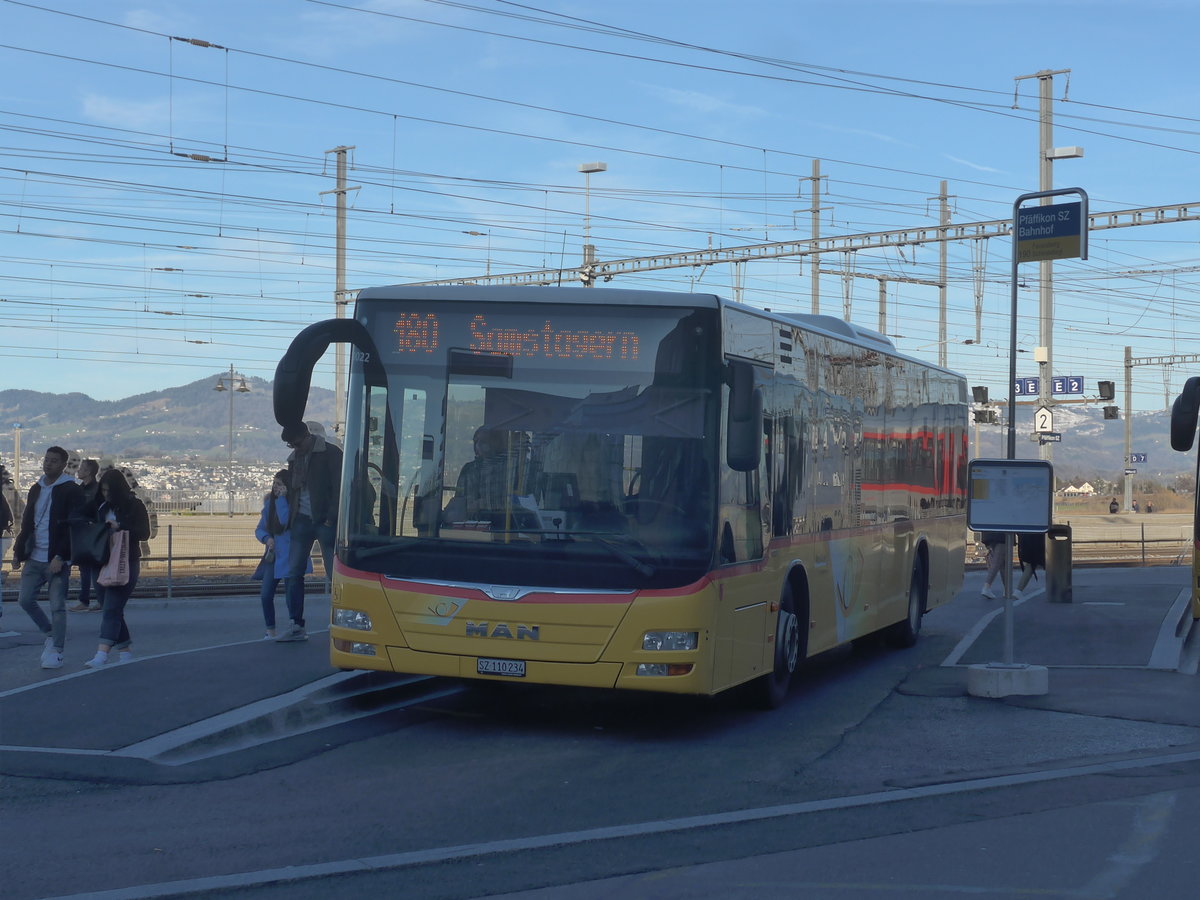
(970, 165)
(145, 115)
(706, 104)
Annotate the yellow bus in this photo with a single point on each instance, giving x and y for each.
(630, 489)
(1184, 414)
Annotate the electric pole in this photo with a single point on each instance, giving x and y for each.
(1045, 356)
(816, 234)
(339, 290)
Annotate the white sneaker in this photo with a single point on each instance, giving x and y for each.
(987, 593)
(100, 659)
(125, 656)
(293, 632)
(51, 658)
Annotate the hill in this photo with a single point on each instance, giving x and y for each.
(1094, 446)
(191, 420)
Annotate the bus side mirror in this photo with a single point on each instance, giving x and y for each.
(743, 431)
(1184, 413)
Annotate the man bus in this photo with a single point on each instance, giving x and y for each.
(631, 489)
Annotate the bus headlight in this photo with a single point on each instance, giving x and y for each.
(351, 618)
(357, 647)
(670, 640)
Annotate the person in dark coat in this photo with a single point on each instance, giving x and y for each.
(124, 512)
(315, 479)
(89, 503)
(43, 548)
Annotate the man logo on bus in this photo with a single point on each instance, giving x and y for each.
(502, 630)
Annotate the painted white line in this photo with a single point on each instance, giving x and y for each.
(139, 659)
(973, 635)
(391, 861)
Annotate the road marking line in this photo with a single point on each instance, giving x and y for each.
(391, 861)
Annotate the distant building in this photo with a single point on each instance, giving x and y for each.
(1084, 490)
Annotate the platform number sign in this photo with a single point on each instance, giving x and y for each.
(1066, 384)
(1026, 387)
(1043, 420)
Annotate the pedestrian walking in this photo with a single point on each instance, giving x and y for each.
(6, 522)
(123, 512)
(1031, 552)
(273, 533)
(89, 504)
(314, 473)
(43, 551)
(994, 542)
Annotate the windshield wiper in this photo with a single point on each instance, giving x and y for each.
(391, 546)
(597, 537)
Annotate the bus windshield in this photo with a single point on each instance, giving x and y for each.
(530, 444)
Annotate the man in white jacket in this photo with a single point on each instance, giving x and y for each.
(43, 547)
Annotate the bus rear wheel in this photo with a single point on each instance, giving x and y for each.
(906, 632)
(768, 691)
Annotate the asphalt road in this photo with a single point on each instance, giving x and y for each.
(878, 778)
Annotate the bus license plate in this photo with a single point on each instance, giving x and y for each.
(514, 668)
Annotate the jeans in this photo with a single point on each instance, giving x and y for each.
(87, 581)
(113, 630)
(267, 595)
(33, 575)
(304, 532)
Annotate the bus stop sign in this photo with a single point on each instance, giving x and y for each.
(1049, 232)
(1009, 495)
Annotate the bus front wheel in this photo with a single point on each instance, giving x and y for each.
(906, 632)
(769, 691)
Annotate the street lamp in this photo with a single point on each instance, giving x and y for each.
(240, 388)
(589, 251)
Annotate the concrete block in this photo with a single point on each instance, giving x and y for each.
(1006, 680)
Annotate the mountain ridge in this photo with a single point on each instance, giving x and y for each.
(192, 420)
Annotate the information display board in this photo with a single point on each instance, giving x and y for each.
(1009, 495)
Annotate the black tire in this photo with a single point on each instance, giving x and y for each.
(906, 632)
(791, 641)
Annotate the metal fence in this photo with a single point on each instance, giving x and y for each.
(209, 501)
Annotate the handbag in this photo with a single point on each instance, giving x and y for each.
(90, 543)
(115, 572)
(269, 556)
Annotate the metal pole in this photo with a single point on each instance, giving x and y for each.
(944, 219)
(339, 288)
(815, 275)
(1128, 428)
(339, 296)
(230, 481)
(170, 560)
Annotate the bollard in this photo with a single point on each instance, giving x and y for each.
(1058, 564)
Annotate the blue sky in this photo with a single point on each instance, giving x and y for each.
(127, 265)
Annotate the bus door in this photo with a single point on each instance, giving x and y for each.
(745, 590)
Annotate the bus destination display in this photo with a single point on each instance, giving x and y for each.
(423, 333)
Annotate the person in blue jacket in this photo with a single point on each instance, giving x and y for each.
(274, 533)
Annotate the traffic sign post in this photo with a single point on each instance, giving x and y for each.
(1041, 232)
